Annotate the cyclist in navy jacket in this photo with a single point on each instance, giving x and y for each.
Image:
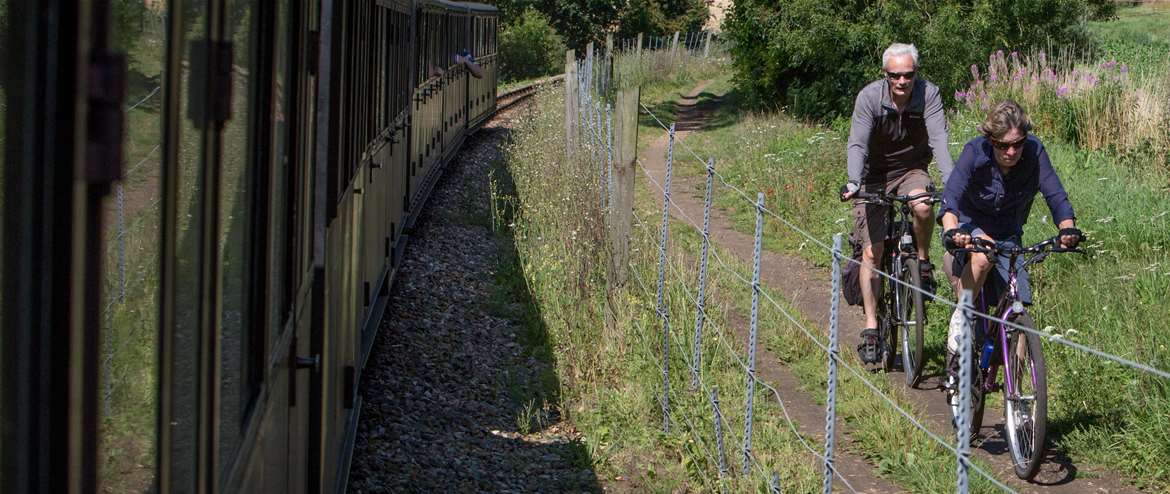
(990, 193)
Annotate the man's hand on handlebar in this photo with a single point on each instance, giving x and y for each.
(849, 190)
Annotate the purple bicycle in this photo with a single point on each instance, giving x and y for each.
(1018, 352)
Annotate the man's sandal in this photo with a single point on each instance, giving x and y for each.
(870, 346)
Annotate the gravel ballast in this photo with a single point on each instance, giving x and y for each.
(449, 384)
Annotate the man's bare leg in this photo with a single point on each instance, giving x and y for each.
(871, 283)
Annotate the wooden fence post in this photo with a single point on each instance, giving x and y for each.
(571, 109)
(621, 211)
(639, 47)
(707, 45)
(608, 65)
(674, 46)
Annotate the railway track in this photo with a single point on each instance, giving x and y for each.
(507, 99)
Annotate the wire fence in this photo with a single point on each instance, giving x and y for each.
(597, 142)
(133, 218)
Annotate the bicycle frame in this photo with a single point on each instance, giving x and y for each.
(1009, 308)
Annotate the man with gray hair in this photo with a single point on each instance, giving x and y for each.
(898, 126)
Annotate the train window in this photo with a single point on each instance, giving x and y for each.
(130, 269)
(187, 219)
(238, 238)
(282, 98)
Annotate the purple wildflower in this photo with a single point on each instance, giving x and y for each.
(1124, 69)
(1062, 91)
(1015, 58)
(960, 95)
(1091, 79)
(1109, 64)
(1043, 59)
(975, 72)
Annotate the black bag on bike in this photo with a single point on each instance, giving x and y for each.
(851, 276)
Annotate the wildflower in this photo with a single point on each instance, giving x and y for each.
(1091, 79)
(1062, 91)
(1043, 59)
(975, 72)
(1124, 69)
(960, 95)
(1108, 65)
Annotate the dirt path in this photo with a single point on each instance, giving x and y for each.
(807, 288)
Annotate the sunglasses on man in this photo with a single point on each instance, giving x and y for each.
(1004, 146)
(897, 76)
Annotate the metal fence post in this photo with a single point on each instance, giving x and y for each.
(774, 485)
(719, 433)
(831, 405)
(751, 372)
(696, 353)
(662, 309)
(121, 200)
(963, 453)
(609, 154)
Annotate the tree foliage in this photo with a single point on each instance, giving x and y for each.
(530, 47)
(814, 55)
(580, 21)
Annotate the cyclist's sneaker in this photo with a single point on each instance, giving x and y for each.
(928, 282)
(870, 346)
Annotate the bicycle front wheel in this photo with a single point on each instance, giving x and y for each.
(1026, 410)
(911, 318)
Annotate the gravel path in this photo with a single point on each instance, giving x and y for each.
(449, 385)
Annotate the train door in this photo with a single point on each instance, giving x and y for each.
(304, 400)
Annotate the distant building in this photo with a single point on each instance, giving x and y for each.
(718, 9)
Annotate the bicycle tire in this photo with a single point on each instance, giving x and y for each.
(1025, 425)
(912, 320)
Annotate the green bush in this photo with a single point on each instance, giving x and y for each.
(812, 56)
(529, 48)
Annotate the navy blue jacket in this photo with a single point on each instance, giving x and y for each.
(980, 195)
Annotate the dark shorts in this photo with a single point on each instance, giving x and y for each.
(869, 220)
(996, 283)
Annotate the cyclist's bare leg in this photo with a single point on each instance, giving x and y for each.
(923, 224)
(871, 282)
(974, 274)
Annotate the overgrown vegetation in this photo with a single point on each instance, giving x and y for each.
(530, 47)
(580, 21)
(782, 60)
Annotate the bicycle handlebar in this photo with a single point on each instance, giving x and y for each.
(983, 245)
(885, 199)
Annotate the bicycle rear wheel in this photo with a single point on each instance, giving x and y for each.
(1026, 412)
(911, 318)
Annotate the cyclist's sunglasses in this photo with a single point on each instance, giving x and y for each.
(894, 76)
(1004, 146)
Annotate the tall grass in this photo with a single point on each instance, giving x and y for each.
(611, 373)
(1107, 105)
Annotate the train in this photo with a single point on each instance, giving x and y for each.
(297, 143)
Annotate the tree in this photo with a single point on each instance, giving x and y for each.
(814, 55)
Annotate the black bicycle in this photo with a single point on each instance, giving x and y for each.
(904, 306)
